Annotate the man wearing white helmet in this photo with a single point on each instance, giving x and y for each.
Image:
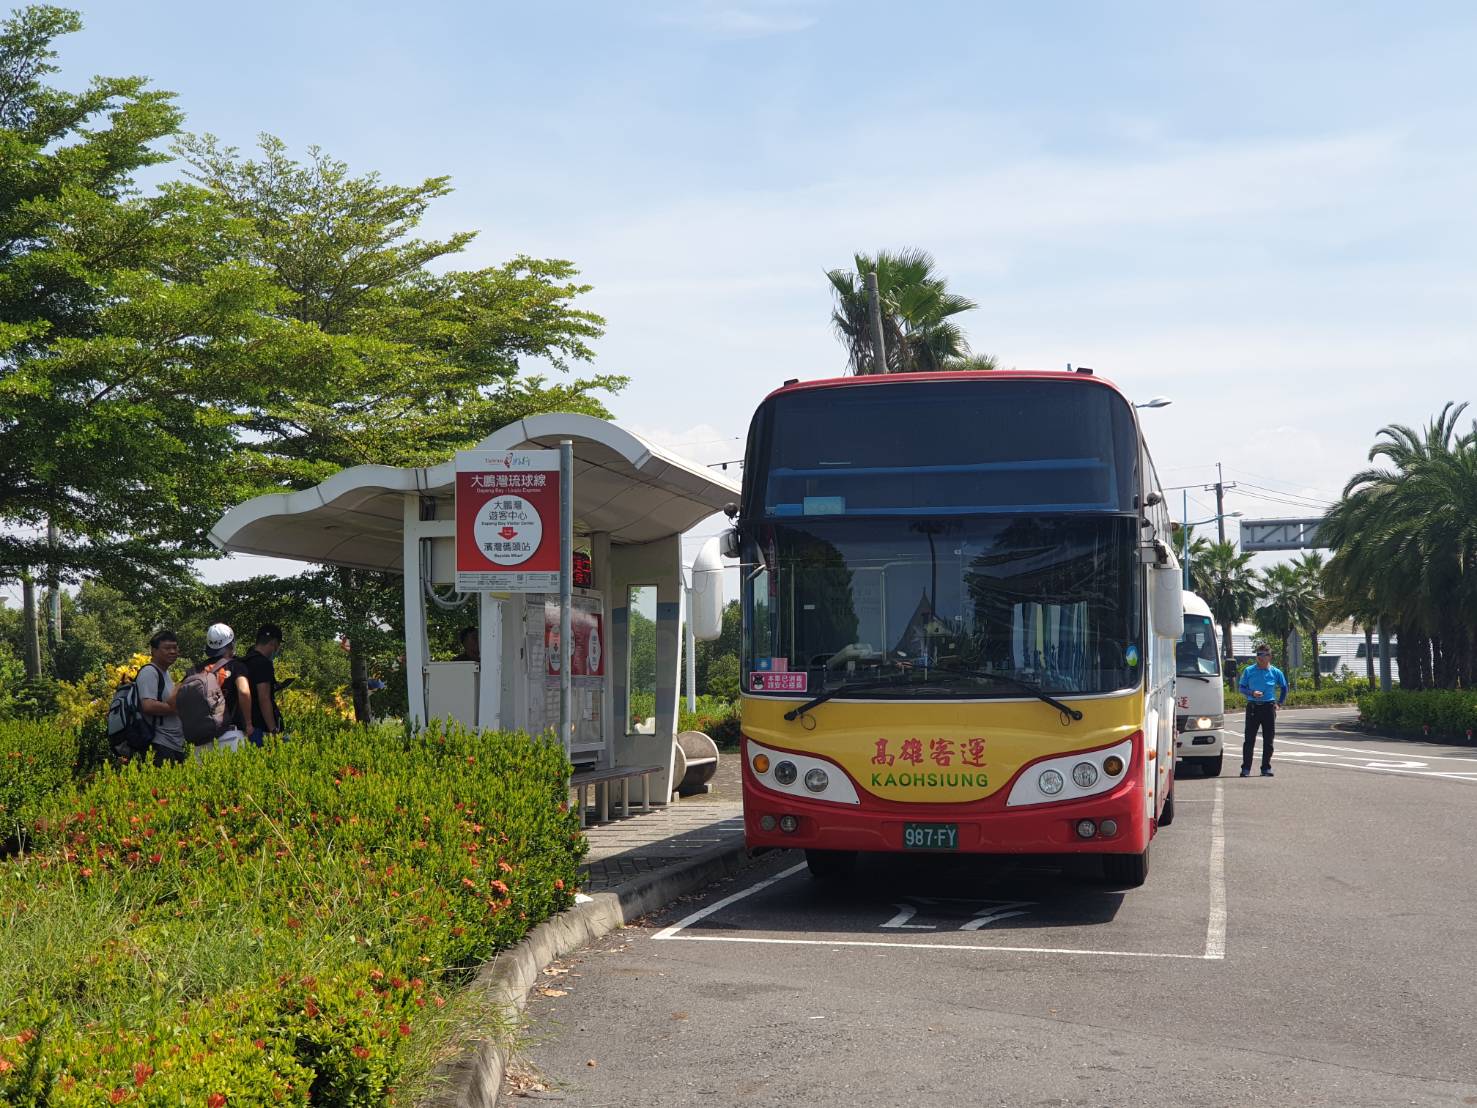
(220, 657)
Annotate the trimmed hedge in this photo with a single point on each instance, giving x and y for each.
(1332, 693)
(37, 760)
(1450, 713)
(273, 926)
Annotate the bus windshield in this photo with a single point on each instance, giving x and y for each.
(932, 447)
(953, 606)
(1196, 655)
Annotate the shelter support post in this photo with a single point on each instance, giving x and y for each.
(416, 647)
(490, 669)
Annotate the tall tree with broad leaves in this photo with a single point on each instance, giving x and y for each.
(127, 326)
(408, 363)
(919, 328)
(1404, 537)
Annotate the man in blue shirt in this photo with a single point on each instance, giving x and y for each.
(1265, 688)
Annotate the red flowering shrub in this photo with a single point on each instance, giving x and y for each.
(266, 925)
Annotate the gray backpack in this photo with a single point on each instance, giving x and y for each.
(201, 703)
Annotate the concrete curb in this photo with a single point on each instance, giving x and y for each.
(475, 1079)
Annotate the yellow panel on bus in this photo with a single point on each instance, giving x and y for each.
(939, 752)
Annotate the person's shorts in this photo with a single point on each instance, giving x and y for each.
(160, 754)
(231, 740)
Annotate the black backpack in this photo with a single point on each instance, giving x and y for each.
(130, 731)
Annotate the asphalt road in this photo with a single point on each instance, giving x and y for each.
(1305, 940)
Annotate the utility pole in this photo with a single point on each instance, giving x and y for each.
(874, 309)
(1220, 488)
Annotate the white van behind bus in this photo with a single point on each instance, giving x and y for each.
(1200, 698)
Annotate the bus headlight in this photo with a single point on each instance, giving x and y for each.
(784, 773)
(1112, 765)
(1050, 782)
(1204, 723)
(761, 763)
(1085, 774)
(816, 780)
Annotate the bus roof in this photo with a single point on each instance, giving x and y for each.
(948, 375)
(1195, 606)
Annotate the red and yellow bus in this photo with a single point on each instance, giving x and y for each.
(960, 609)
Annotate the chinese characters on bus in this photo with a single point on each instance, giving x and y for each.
(941, 752)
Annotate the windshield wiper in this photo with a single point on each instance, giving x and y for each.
(1197, 676)
(903, 678)
(1068, 712)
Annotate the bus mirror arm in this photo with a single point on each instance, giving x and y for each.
(728, 542)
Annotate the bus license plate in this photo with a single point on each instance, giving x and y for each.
(931, 836)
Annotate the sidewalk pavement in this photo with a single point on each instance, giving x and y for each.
(644, 843)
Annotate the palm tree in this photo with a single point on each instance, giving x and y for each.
(1288, 605)
(1310, 568)
(1405, 538)
(1226, 581)
(918, 325)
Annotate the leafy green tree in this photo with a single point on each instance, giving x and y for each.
(401, 363)
(126, 327)
(919, 330)
(726, 645)
(1226, 581)
(104, 626)
(723, 677)
(643, 654)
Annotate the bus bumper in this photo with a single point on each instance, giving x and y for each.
(1036, 829)
(1198, 744)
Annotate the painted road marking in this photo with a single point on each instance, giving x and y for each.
(984, 912)
(1369, 751)
(1215, 931)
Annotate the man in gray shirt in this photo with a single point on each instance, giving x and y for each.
(156, 699)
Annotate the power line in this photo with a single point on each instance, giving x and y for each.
(1293, 495)
(1264, 477)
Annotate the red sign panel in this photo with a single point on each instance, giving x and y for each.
(760, 681)
(507, 521)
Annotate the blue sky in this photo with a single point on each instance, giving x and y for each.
(1260, 210)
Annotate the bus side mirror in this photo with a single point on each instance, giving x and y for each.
(728, 543)
(707, 593)
(1167, 601)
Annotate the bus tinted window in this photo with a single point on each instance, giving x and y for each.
(966, 447)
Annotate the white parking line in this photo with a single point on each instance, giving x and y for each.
(1215, 928)
(937, 946)
(1215, 934)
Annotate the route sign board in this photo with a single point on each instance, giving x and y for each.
(507, 521)
(1280, 534)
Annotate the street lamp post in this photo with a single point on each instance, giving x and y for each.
(1185, 533)
(1156, 402)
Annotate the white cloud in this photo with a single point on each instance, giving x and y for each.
(742, 18)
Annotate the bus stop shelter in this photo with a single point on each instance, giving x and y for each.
(632, 503)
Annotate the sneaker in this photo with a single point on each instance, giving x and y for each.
(1245, 771)
(1266, 771)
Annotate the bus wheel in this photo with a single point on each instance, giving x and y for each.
(1130, 870)
(1211, 767)
(830, 865)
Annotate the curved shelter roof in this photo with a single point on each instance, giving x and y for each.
(623, 485)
